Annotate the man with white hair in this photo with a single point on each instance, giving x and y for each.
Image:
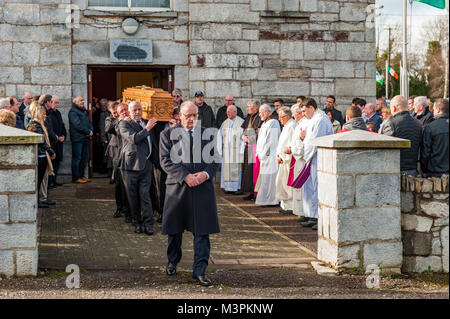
(190, 202)
(4, 104)
(372, 116)
(402, 125)
(295, 148)
(135, 162)
(60, 130)
(80, 130)
(284, 192)
(421, 111)
(231, 148)
(25, 105)
(251, 126)
(266, 151)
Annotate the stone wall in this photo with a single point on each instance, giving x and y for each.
(359, 201)
(35, 46)
(425, 210)
(18, 202)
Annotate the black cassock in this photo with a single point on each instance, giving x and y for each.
(251, 125)
(185, 208)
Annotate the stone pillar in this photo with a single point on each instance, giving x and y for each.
(359, 201)
(18, 202)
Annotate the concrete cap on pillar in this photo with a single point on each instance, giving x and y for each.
(360, 139)
(11, 135)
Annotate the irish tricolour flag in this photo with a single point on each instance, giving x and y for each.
(435, 3)
(379, 78)
(393, 73)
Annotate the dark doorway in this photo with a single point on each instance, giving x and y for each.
(108, 82)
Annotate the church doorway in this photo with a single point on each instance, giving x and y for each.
(108, 82)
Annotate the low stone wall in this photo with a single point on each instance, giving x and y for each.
(425, 210)
(18, 202)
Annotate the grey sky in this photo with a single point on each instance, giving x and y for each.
(391, 14)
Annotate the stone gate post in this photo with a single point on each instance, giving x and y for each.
(18, 201)
(359, 201)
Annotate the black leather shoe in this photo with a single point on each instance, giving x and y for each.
(303, 219)
(314, 227)
(138, 230)
(49, 202)
(238, 193)
(53, 186)
(58, 184)
(249, 197)
(148, 230)
(311, 222)
(117, 214)
(287, 212)
(203, 280)
(171, 269)
(128, 219)
(42, 205)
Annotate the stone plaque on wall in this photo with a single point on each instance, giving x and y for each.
(130, 50)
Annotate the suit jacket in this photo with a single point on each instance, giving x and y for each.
(187, 208)
(135, 149)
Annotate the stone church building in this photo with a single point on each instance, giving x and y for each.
(248, 48)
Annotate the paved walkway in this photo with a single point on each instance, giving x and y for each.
(80, 230)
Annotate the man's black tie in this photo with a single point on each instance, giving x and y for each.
(191, 146)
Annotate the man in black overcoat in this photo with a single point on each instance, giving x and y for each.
(190, 204)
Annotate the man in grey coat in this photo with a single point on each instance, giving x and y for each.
(190, 202)
(135, 163)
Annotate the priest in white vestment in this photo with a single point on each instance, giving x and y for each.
(284, 192)
(318, 125)
(266, 149)
(231, 148)
(296, 150)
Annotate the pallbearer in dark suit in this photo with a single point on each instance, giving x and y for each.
(135, 163)
(190, 202)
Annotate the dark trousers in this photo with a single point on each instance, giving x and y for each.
(202, 248)
(120, 193)
(80, 158)
(42, 167)
(137, 186)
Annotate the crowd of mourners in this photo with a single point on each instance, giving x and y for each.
(266, 155)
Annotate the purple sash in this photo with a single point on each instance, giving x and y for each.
(302, 177)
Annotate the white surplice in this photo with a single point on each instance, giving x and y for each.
(266, 149)
(284, 193)
(297, 153)
(319, 125)
(231, 148)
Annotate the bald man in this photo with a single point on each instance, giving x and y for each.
(81, 130)
(190, 202)
(402, 125)
(222, 112)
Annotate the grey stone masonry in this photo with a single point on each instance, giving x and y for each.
(359, 201)
(262, 49)
(18, 202)
(424, 206)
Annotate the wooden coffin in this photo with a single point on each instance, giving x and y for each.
(156, 103)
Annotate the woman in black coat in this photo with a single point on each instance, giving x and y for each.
(190, 202)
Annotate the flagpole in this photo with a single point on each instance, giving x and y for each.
(404, 73)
